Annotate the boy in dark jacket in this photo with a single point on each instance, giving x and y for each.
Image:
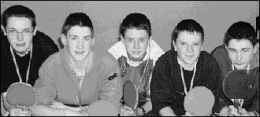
(181, 69)
(240, 51)
(23, 48)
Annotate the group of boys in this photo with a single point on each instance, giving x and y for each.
(77, 75)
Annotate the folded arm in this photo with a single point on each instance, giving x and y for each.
(161, 96)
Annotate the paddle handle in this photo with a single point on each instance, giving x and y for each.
(238, 102)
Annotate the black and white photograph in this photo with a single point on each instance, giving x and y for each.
(130, 58)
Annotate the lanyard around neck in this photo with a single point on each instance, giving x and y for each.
(17, 68)
(192, 79)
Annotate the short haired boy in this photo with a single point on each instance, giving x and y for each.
(240, 51)
(137, 53)
(180, 69)
(77, 76)
(23, 48)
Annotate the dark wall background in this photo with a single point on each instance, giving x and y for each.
(214, 16)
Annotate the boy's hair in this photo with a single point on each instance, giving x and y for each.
(135, 20)
(189, 25)
(240, 30)
(18, 11)
(77, 19)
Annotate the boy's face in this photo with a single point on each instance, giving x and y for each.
(136, 43)
(79, 41)
(20, 33)
(188, 46)
(240, 52)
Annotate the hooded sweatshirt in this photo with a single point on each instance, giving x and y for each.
(138, 72)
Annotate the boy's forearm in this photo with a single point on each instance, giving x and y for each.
(44, 110)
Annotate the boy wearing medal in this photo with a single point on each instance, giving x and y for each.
(182, 68)
(23, 48)
(77, 76)
(137, 53)
(240, 52)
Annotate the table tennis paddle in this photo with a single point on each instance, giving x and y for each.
(20, 94)
(239, 86)
(130, 94)
(199, 101)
